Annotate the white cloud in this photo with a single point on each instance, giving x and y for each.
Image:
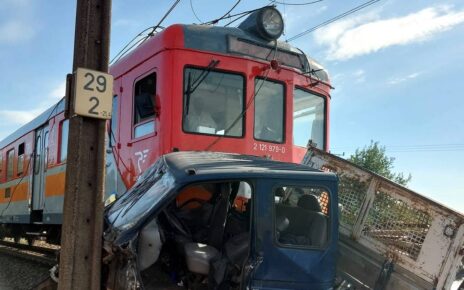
(15, 31)
(367, 34)
(15, 117)
(321, 9)
(59, 91)
(359, 76)
(10, 120)
(397, 80)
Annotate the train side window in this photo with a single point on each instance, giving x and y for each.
(114, 120)
(64, 133)
(20, 164)
(9, 164)
(144, 106)
(1, 165)
(308, 118)
(269, 111)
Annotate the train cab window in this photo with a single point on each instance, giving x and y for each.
(1, 165)
(144, 106)
(9, 164)
(308, 119)
(213, 102)
(269, 111)
(64, 133)
(20, 163)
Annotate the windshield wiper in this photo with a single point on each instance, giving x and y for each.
(192, 86)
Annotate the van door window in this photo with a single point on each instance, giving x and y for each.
(144, 106)
(301, 216)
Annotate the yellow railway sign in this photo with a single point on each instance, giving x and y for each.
(93, 93)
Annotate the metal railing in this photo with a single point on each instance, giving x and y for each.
(422, 236)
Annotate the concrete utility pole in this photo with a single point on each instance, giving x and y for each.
(80, 258)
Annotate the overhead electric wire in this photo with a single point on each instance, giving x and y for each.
(240, 14)
(225, 14)
(194, 13)
(128, 46)
(166, 15)
(153, 28)
(296, 4)
(331, 20)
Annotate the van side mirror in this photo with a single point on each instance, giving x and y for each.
(112, 198)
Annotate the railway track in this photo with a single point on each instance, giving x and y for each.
(44, 255)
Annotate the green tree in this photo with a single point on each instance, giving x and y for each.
(373, 158)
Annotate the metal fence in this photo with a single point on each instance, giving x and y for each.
(422, 236)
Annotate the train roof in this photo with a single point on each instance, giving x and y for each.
(220, 40)
(34, 124)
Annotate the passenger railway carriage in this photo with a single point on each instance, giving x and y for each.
(189, 87)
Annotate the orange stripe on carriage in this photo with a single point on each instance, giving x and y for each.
(17, 193)
(54, 184)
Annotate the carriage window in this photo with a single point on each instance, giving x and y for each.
(114, 120)
(9, 164)
(308, 119)
(144, 106)
(213, 102)
(269, 111)
(20, 163)
(1, 166)
(64, 132)
(301, 216)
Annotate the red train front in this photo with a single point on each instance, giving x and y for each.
(193, 87)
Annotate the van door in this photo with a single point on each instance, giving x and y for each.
(40, 167)
(297, 249)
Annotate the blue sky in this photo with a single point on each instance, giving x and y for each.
(396, 67)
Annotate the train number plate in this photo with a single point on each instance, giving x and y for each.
(93, 93)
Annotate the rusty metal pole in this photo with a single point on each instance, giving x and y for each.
(80, 257)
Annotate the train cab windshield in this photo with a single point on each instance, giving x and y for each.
(213, 102)
(308, 119)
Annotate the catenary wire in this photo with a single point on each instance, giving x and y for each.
(225, 14)
(193, 11)
(239, 15)
(153, 28)
(331, 20)
(295, 4)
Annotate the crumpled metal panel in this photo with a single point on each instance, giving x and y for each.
(422, 236)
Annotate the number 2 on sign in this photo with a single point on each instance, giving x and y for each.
(92, 109)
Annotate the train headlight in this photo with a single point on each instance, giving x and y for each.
(266, 23)
(272, 22)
